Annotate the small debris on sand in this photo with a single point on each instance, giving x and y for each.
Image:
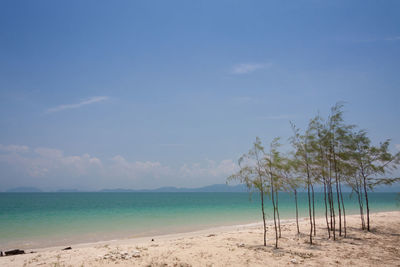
(14, 252)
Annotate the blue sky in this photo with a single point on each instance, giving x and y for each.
(142, 94)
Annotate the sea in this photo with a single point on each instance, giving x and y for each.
(37, 220)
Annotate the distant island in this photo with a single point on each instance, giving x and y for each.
(209, 188)
(24, 189)
(215, 188)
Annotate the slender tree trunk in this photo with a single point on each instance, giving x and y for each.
(324, 180)
(309, 198)
(263, 215)
(308, 191)
(326, 211)
(366, 201)
(313, 209)
(297, 212)
(330, 207)
(344, 210)
(333, 227)
(365, 193)
(333, 217)
(277, 213)
(360, 203)
(361, 211)
(274, 206)
(340, 212)
(337, 191)
(328, 189)
(309, 211)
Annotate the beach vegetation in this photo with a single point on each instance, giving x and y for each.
(328, 153)
(252, 174)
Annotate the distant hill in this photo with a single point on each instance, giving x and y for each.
(345, 188)
(24, 189)
(68, 190)
(209, 188)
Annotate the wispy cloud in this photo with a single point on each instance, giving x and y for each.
(47, 162)
(44, 162)
(91, 100)
(245, 68)
(209, 168)
(394, 38)
(14, 148)
(372, 40)
(136, 169)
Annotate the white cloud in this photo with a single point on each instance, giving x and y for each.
(45, 161)
(394, 38)
(14, 148)
(49, 166)
(372, 40)
(397, 146)
(210, 168)
(122, 167)
(91, 100)
(49, 152)
(245, 68)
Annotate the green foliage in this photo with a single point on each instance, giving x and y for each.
(328, 152)
(251, 171)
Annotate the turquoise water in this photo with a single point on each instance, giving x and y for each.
(32, 220)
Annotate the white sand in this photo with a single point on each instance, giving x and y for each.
(237, 246)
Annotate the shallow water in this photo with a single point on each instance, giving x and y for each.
(32, 220)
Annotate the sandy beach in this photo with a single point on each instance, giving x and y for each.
(236, 246)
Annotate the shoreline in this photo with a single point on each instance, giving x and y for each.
(236, 245)
(134, 218)
(168, 236)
